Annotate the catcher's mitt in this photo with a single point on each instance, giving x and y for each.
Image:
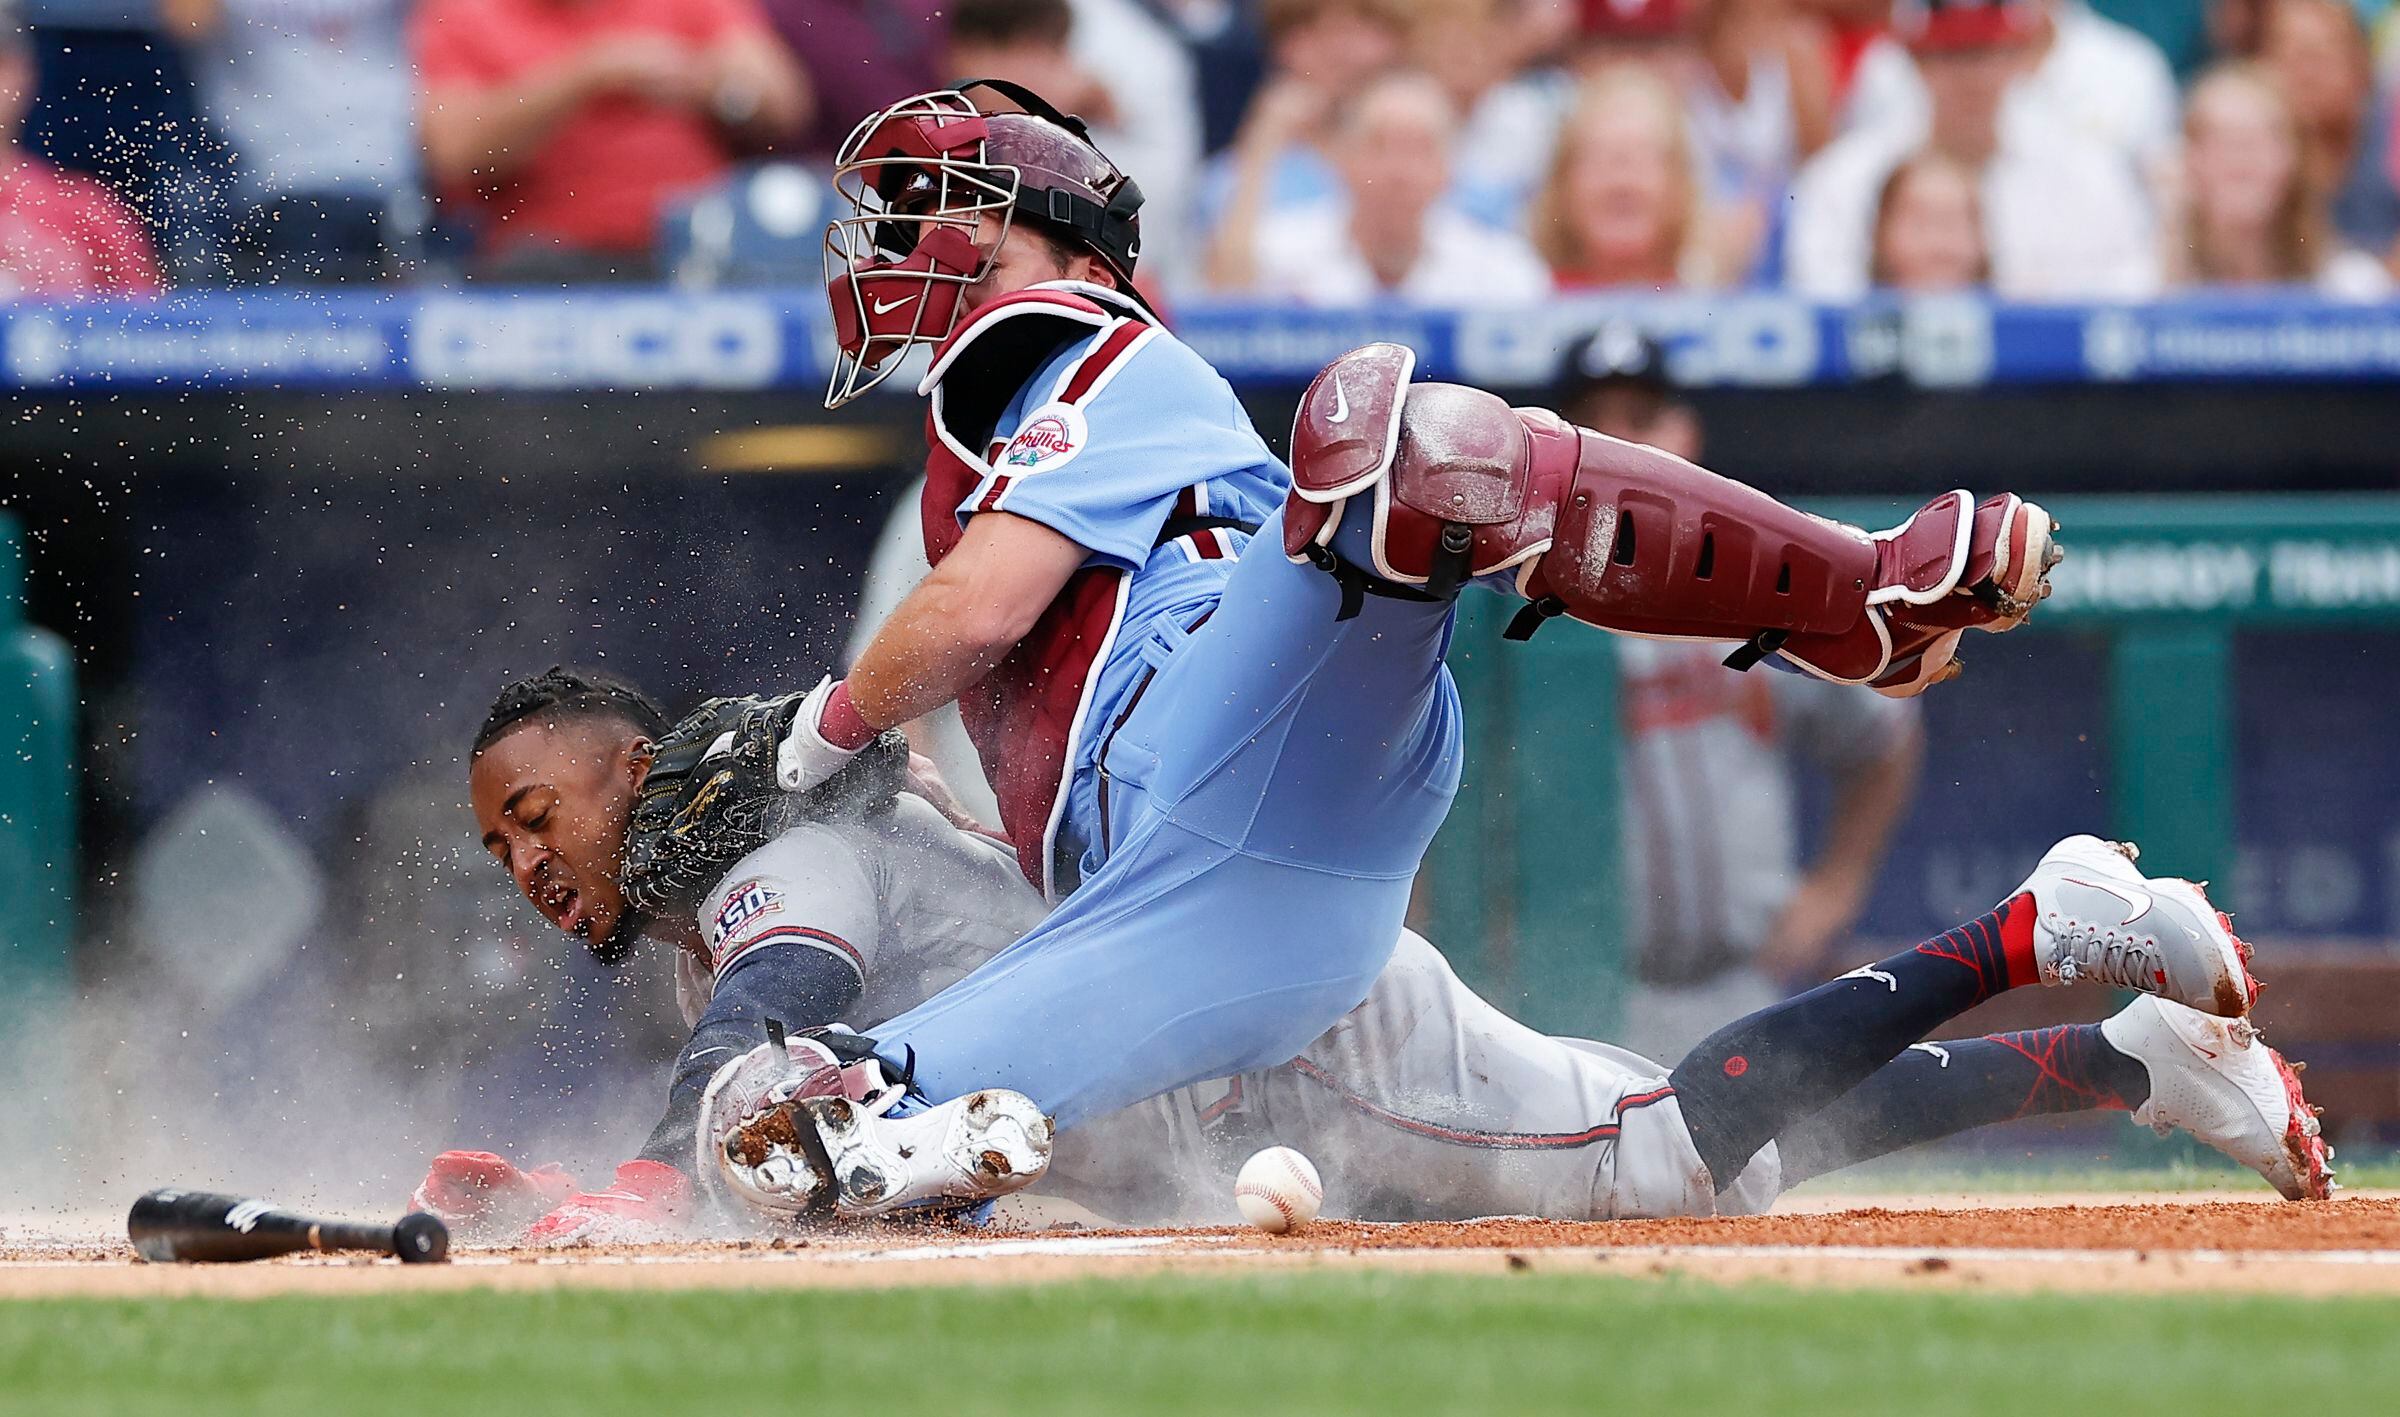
(711, 798)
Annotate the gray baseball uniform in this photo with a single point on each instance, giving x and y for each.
(1422, 1102)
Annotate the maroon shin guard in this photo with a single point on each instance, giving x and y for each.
(1632, 539)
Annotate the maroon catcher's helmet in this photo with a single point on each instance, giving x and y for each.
(918, 177)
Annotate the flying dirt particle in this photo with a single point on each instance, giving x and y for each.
(1518, 1263)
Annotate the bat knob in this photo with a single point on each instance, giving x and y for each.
(421, 1239)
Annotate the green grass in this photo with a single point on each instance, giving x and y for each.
(1387, 1343)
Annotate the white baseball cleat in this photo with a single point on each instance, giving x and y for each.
(973, 1148)
(2218, 1080)
(2098, 918)
(806, 1134)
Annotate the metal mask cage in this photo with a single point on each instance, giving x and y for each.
(895, 198)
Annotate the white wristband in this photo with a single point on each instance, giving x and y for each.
(804, 759)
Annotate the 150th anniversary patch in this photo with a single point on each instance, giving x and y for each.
(745, 904)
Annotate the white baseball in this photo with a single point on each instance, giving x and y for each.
(1278, 1190)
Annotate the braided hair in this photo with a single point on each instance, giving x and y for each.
(561, 693)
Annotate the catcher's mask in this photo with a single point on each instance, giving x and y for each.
(917, 178)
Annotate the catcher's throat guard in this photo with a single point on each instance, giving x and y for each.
(1633, 539)
(919, 179)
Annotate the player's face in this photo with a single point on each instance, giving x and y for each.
(1024, 259)
(552, 800)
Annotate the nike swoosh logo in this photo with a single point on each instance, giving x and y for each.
(1341, 403)
(696, 1057)
(2138, 902)
(883, 309)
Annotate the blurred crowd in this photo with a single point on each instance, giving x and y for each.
(1329, 152)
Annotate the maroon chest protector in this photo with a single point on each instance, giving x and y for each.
(1024, 715)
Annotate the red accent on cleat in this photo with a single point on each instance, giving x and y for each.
(2016, 940)
(1736, 1065)
(2310, 1156)
(2242, 949)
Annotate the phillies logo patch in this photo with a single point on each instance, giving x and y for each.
(1049, 438)
(749, 901)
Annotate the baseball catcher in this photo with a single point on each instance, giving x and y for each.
(1207, 688)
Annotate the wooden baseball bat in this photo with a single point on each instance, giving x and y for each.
(200, 1226)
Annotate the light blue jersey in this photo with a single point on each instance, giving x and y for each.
(1226, 781)
(1116, 442)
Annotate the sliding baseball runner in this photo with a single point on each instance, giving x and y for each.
(840, 906)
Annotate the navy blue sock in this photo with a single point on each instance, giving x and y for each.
(1751, 1080)
(1934, 1090)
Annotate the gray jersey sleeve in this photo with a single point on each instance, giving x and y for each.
(807, 889)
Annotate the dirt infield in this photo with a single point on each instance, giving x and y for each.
(2347, 1246)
